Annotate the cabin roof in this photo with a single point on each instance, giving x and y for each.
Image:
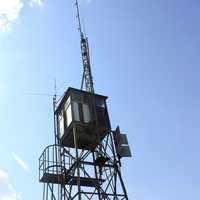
(71, 90)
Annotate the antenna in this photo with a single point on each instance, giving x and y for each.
(87, 74)
(54, 109)
(78, 17)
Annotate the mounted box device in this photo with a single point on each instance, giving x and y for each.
(87, 113)
(121, 144)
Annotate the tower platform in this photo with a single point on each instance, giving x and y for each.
(70, 180)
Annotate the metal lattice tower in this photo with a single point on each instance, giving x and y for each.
(85, 161)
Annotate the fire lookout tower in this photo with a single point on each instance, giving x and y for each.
(85, 161)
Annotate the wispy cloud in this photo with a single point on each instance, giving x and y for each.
(36, 3)
(21, 162)
(9, 12)
(3, 174)
(7, 191)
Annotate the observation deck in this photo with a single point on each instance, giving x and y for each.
(53, 168)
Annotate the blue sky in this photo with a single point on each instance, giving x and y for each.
(145, 57)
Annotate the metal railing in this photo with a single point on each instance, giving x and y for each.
(54, 160)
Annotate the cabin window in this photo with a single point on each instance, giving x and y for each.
(81, 112)
(86, 113)
(68, 112)
(76, 112)
(100, 103)
(61, 124)
(69, 115)
(68, 102)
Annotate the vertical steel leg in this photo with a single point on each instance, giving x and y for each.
(78, 162)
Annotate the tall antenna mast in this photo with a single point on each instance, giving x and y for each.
(78, 17)
(87, 74)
